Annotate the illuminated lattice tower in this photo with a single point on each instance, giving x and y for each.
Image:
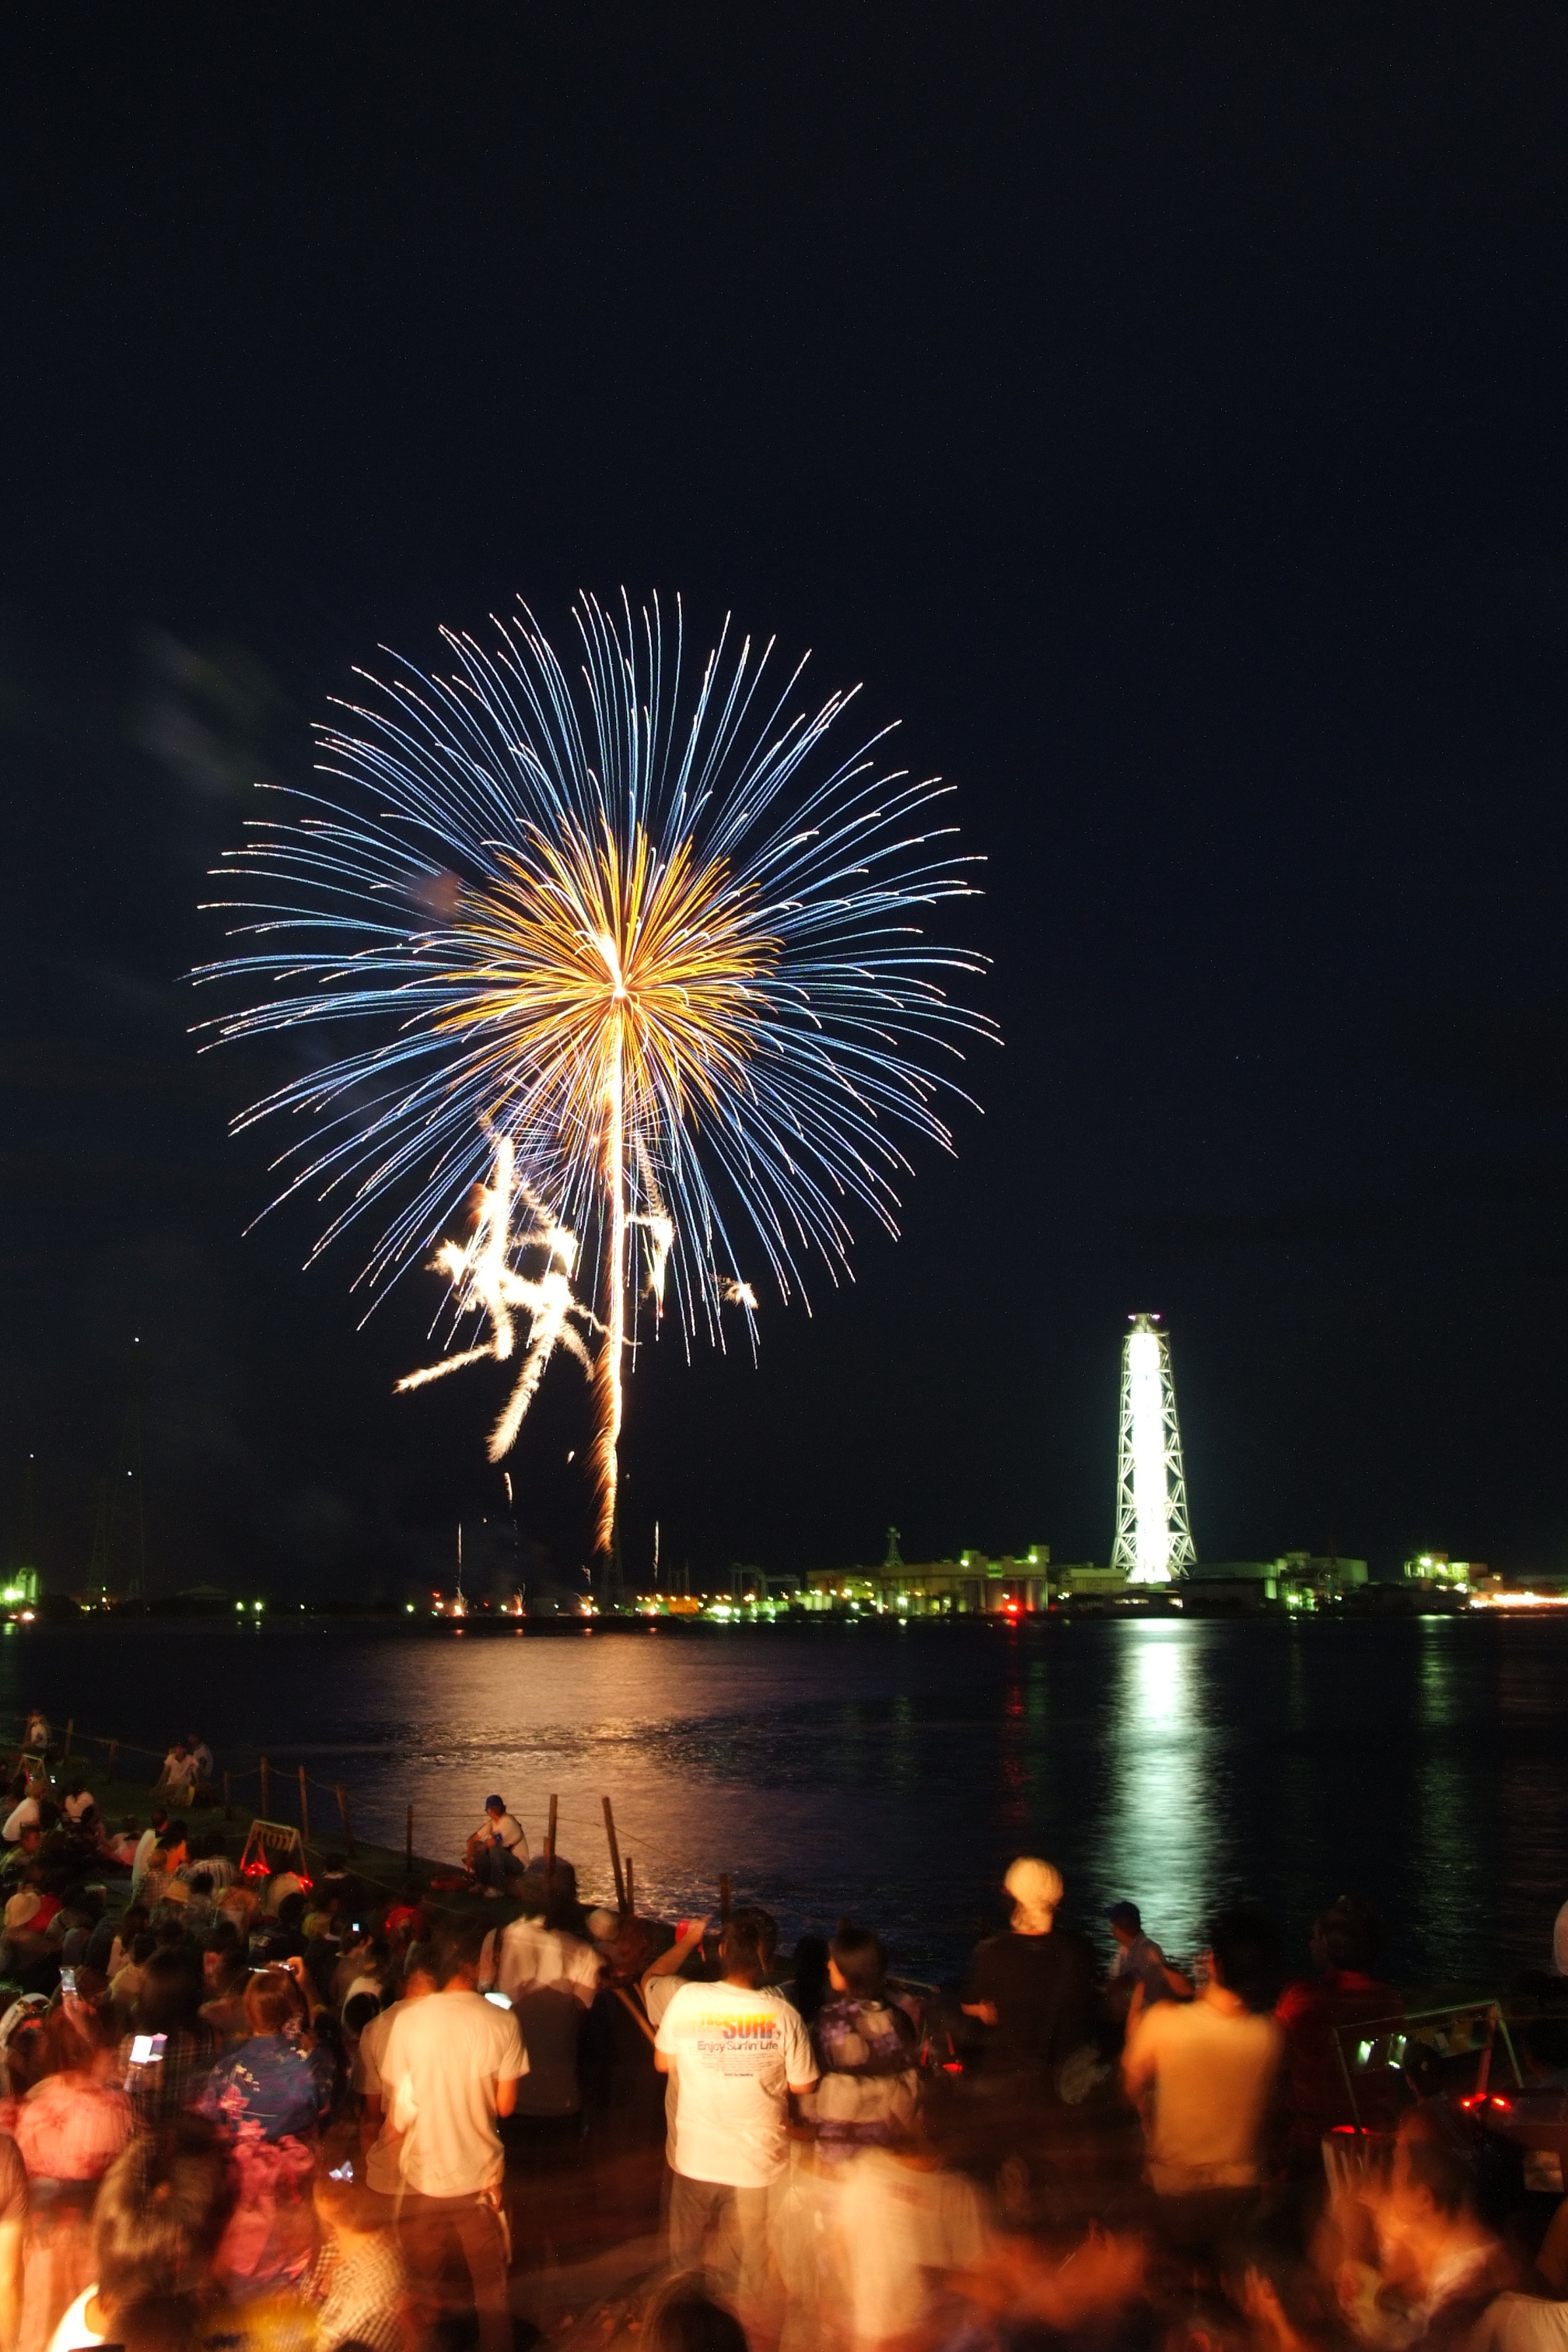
(1153, 1542)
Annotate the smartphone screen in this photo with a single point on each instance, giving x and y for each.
(67, 1981)
(146, 2049)
(499, 1999)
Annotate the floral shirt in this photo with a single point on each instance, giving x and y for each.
(866, 2052)
(273, 2085)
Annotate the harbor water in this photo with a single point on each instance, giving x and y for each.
(888, 1773)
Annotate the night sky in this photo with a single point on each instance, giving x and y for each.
(1159, 409)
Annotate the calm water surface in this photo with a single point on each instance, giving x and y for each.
(891, 1772)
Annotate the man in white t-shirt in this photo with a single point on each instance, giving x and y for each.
(528, 1955)
(383, 2171)
(1203, 2072)
(448, 2072)
(736, 2050)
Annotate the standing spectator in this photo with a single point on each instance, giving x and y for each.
(736, 2050)
(449, 2072)
(382, 2172)
(1318, 2014)
(865, 2051)
(1033, 1988)
(36, 1736)
(531, 1952)
(1203, 2071)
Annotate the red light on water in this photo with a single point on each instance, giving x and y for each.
(1504, 2106)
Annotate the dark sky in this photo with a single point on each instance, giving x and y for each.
(1161, 410)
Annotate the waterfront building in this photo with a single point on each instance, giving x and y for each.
(970, 1586)
(1434, 1572)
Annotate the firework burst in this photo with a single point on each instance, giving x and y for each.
(645, 952)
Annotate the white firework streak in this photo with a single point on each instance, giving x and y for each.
(739, 1293)
(485, 1280)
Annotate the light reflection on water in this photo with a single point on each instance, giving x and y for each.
(1162, 1833)
(890, 1774)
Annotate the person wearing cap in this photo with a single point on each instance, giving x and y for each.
(498, 1850)
(1140, 1973)
(1033, 1988)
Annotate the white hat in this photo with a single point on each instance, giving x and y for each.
(23, 1909)
(1036, 1888)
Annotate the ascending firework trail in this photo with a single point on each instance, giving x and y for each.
(648, 955)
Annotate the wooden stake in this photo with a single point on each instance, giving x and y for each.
(304, 1810)
(343, 1809)
(408, 1849)
(229, 1796)
(550, 1849)
(265, 1805)
(622, 1906)
(631, 1911)
(724, 1896)
(70, 1727)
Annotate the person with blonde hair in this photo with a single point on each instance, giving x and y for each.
(1033, 1988)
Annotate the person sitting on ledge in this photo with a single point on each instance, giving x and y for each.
(498, 1850)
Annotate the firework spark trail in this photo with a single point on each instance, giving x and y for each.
(483, 1277)
(654, 939)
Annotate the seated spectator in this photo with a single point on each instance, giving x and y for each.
(282, 1937)
(1141, 1974)
(70, 2125)
(1321, 2013)
(158, 2219)
(275, 2084)
(109, 1947)
(176, 1779)
(280, 1887)
(27, 1814)
(119, 1846)
(359, 2284)
(271, 2095)
(496, 1852)
(169, 2052)
(1203, 2072)
(147, 1845)
(225, 1971)
(125, 1985)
